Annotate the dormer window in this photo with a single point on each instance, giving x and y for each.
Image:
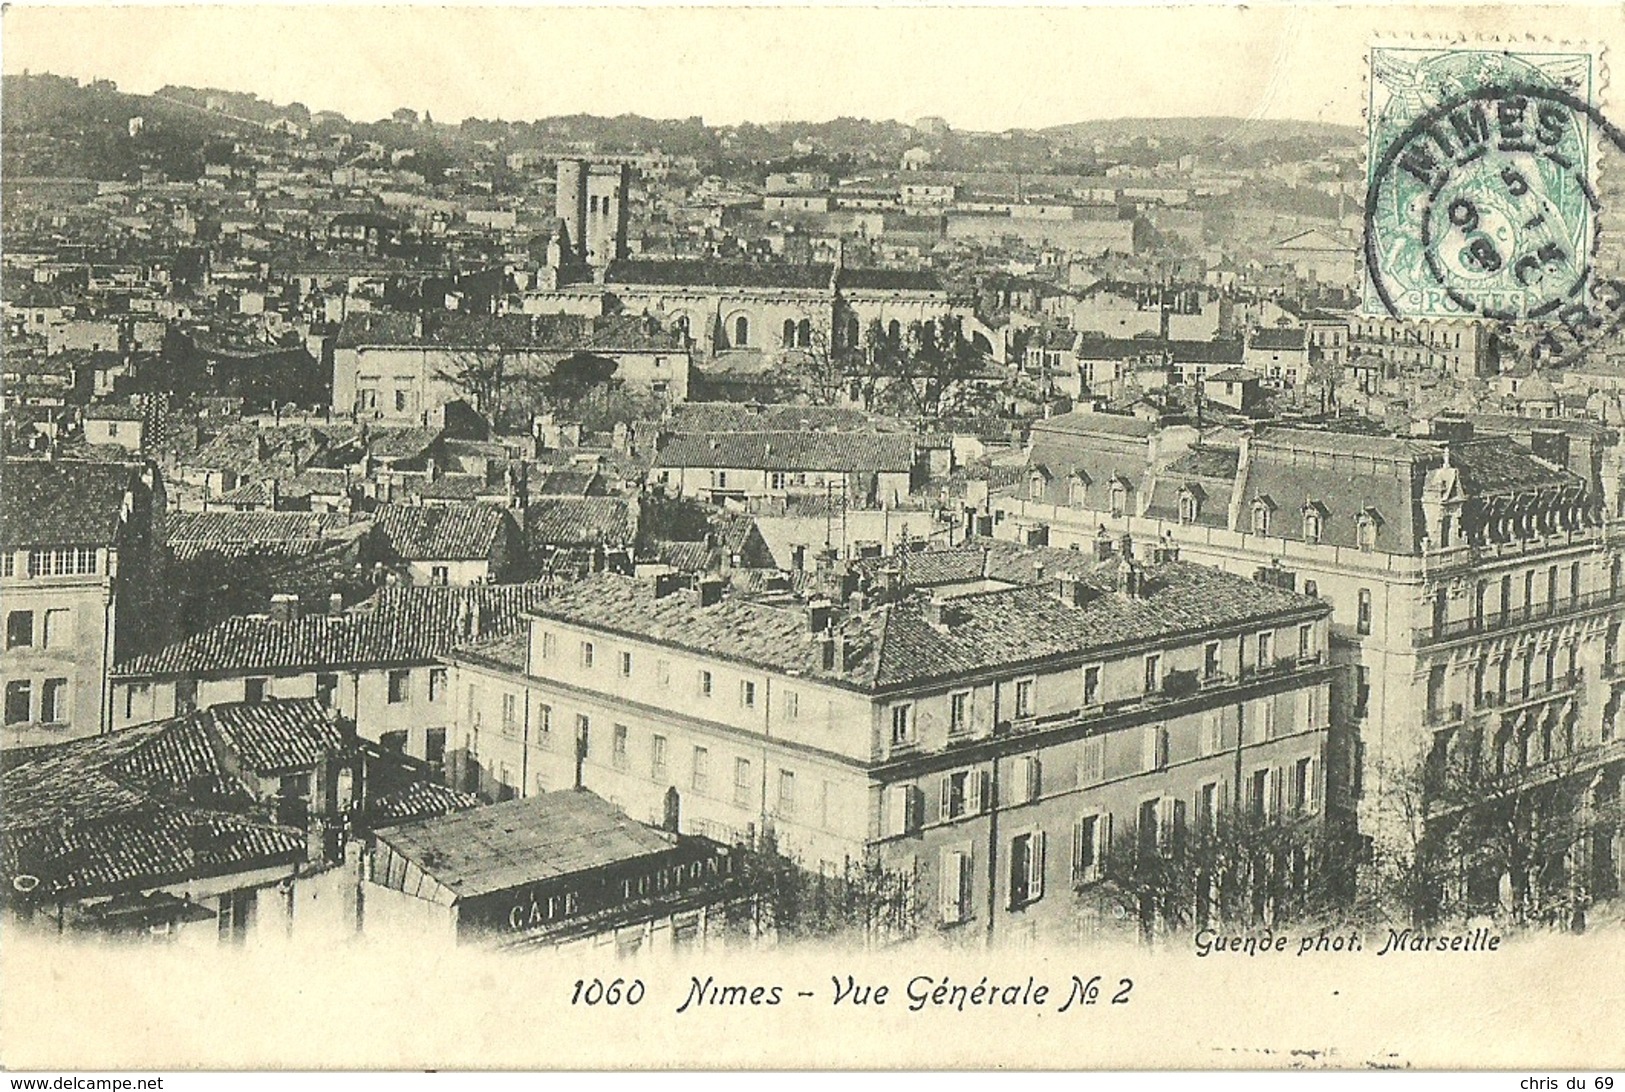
(1077, 489)
(1190, 503)
(1366, 526)
(1262, 507)
(1037, 481)
(1314, 521)
(1119, 494)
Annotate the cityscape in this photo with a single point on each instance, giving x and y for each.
(599, 531)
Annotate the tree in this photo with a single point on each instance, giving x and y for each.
(1239, 869)
(479, 375)
(1485, 832)
(577, 375)
(862, 902)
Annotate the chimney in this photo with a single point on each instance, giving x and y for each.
(892, 577)
(833, 649)
(1103, 544)
(271, 492)
(710, 592)
(1125, 545)
(1130, 578)
(820, 615)
(1069, 589)
(666, 583)
(1038, 571)
(335, 603)
(1167, 549)
(987, 561)
(284, 607)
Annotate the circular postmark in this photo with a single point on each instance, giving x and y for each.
(1483, 207)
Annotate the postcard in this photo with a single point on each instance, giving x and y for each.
(812, 538)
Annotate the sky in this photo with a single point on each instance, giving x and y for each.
(983, 68)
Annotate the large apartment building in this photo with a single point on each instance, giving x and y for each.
(1475, 585)
(80, 571)
(984, 720)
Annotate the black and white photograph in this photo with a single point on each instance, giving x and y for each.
(794, 537)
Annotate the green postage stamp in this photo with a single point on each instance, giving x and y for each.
(1482, 199)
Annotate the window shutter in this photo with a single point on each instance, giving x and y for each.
(898, 819)
(1165, 821)
(946, 810)
(1034, 778)
(1214, 727)
(975, 791)
(1079, 833)
(1148, 748)
(1311, 787)
(952, 887)
(1036, 887)
(1103, 842)
(1276, 789)
(1093, 765)
(1180, 821)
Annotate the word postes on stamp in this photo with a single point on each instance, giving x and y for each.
(1481, 199)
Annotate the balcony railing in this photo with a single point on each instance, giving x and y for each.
(1280, 666)
(1446, 715)
(1529, 612)
(1546, 688)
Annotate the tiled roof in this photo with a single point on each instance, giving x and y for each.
(62, 503)
(191, 533)
(276, 736)
(893, 644)
(1217, 351)
(580, 521)
(846, 452)
(154, 804)
(1288, 338)
(405, 625)
(775, 417)
(516, 331)
(484, 850)
(567, 482)
(720, 274)
(1101, 424)
(890, 280)
(418, 800)
(1494, 464)
(454, 532)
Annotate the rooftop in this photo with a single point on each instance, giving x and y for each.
(63, 503)
(480, 851)
(797, 450)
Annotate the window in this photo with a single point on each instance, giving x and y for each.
(787, 793)
(1154, 747)
(962, 794)
(1212, 732)
(617, 746)
(1362, 619)
(583, 735)
(1306, 641)
(434, 751)
(549, 646)
(1312, 524)
(1266, 650)
(1029, 780)
(742, 785)
(747, 693)
(510, 713)
(1091, 685)
(663, 673)
(1092, 761)
(954, 895)
(1153, 673)
(1208, 802)
(657, 758)
(1035, 487)
(1024, 697)
(400, 400)
(1119, 498)
(53, 701)
(902, 725)
(1262, 715)
(544, 725)
(8, 564)
(586, 654)
(1366, 531)
(705, 683)
(437, 683)
(1189, 506)
(400, 682)
(20, 629)
(1026, 869)
(702, 770)
(792, 705)
(1574, 581)
(439, 575)
(19, 702)
(1091, 844)
(775, 480)
(626, 665)
(959, 712)
(741, 332)
(1210, 660)
(1261, 516)
(1305, 797)
(254, 689)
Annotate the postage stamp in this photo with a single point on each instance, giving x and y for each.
(1482, 199)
